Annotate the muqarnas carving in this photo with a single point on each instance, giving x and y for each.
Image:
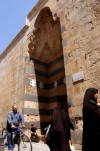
(45, 42)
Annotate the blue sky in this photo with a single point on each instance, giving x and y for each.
(12, 19)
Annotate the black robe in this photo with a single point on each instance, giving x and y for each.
(67, 126)
(56, 137)
(91, 122)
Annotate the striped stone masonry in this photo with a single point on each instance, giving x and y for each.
(39, 99)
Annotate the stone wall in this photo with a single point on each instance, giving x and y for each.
(81, 51)
(56, 53)
(81, 48)
(43, 83)
(79, 23)
(45, 67)
(12, 64)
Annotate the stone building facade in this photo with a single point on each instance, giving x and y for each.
(52, 61)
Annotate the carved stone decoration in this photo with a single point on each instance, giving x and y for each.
(45, 41)
(46, 51)
(31, 39)
(31, 47)
(33, 83)
(41, 85)
(55, 46)
(55, 84)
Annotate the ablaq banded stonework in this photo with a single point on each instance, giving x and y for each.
(52, 61)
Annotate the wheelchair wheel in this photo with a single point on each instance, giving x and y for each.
(25, 143)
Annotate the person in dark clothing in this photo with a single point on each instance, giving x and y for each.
(67, 124)
(91, 121)
(56, 137)
(34, 133)
(70, 114)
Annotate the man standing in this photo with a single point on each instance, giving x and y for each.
(14, 118)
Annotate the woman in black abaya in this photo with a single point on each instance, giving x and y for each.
(56, 137)
(91, 121)
(67, 125)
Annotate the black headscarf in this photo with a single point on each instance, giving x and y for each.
(56, 138)
(89, 95)
(56, 135)
(56, 120)
(91, 122)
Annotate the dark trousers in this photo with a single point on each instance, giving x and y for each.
(10, 141)
(36, 136)
(10, 138)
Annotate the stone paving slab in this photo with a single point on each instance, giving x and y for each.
(36, 147)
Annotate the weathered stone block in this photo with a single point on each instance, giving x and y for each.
(76, 136)
(62, 29)
(68, 80)
(64, 42)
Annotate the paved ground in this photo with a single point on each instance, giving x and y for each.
(36, 147)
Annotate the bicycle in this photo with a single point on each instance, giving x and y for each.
(21, 140)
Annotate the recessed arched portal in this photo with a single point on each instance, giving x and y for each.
(46, 55)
